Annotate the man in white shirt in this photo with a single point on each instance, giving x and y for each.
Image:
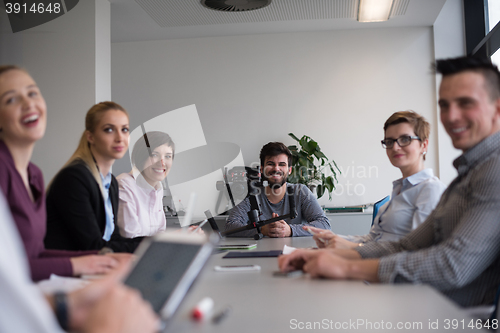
(104, 306)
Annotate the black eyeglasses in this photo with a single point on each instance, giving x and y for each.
(402, 141)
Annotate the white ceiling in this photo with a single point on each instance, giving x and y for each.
(136, 20)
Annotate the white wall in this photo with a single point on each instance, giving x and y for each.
(449, 42)
(61, 57)
(335, 86)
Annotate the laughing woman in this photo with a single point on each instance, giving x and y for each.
(82, 201)
(23, 116)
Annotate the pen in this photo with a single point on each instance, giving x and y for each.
(314, 233)
(200, 225)
(221, 315)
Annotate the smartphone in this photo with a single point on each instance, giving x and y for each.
(237, 268)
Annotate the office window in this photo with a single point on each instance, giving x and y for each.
(495, 58)
(482, 30)
(493, 13)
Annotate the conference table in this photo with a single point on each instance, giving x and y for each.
(261, 302)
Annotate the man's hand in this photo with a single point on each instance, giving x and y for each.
(81, 301)
(295, 260)
(121, 310)
(328, 263)
(318, 263)
(108, 306)
(277, 229)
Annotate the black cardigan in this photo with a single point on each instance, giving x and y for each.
(76, 217)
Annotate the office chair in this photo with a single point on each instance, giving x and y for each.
(377, 205)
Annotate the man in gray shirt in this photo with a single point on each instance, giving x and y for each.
(457, 249)
(275, 160)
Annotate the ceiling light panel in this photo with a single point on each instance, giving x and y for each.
(374, 10)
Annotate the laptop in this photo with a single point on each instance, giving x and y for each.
(167, 265)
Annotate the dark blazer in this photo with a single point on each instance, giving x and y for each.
(76, 217)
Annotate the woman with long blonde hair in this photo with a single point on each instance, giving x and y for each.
(82, 200)
(23, 120)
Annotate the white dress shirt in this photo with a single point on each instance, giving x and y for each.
(140, 211)
(22, 306)
(412, 200)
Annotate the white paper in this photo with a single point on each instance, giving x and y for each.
(288, 249)
(61, 283)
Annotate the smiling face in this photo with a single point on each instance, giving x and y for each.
(158, 165)
(276, 170)
(23, 112)
(109, 141)
(468, 113)
(408, 159)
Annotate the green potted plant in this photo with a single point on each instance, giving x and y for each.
(309, 165)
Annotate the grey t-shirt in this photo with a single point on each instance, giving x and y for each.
(309, 212)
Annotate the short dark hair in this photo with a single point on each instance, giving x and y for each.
(150, 140)
(482, 66)
(274, 149)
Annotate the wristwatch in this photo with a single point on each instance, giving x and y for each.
(61, 308)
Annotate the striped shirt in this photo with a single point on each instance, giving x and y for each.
(457, 249)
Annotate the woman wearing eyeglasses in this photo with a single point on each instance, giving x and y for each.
(414, 196)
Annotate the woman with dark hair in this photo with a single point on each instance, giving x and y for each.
(140, 211)
(82, 201)
(414, 196)
(23, 120)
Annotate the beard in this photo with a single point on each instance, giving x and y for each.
(276, 184)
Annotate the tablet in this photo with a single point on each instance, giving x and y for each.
(167, 266)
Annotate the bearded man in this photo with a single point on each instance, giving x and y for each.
(275, 160)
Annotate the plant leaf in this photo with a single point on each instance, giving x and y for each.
(319, 154)
(293, 136)
(329, 183)
(320, 190)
